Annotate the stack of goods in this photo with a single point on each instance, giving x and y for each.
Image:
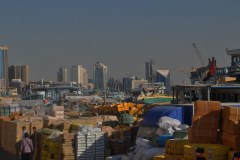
(90, 144)
(50, 144)
(231, 127)
(174, 150)
(37, 123)
(67, 147)
(135, 108)
(108, 131)
(82, 122)
(120, 139)
(4, 110)
(104, 110)
(205, 122)
(57, 112)
(206, 151)
(2, 119)
(12, 135)
(38, 145)
(126, 118)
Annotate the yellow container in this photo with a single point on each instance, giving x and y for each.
(175, 146)
(211, 151)
(168, 157)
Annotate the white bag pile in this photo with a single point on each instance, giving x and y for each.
(167, 125)
(90, 144)
(143, 151)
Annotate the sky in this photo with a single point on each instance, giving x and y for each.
(121, 34)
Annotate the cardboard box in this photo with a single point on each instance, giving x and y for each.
(231, 140)
(202, 135)
(209, 108)
(205, 122)
(231, 113)
(231, 127)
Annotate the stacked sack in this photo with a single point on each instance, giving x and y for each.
(205, 122)
(90, 144)
(231, 127)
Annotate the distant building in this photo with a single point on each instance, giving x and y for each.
(18, 84)
(25, 74)
(164, 77)
(19, 72)
(111, 84)
(79, 75)
(114, 85)
(151, 68)
(3, 69)
(62, 75)
(232, 70)
(100, 76)
(130, 83)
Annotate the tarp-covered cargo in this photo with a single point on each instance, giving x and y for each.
(152, 117)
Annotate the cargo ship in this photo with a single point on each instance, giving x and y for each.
(156, 98)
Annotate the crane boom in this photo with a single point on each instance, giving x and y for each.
(198, 54)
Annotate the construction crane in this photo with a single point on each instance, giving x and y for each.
(198, 54)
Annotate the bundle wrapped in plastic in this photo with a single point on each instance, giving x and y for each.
(141, 145)
(167, 122)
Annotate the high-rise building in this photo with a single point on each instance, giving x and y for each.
(164, 77)
(79, 75)
(151, 73)
(148, 76)
(62, 75)
(25, 74)
(100, 76)
(19, 72)
(3, 69)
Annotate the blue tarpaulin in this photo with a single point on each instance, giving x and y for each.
(152, 116)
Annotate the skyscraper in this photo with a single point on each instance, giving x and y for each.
(148, 76)
(100, 76)
(3, 69)
(164, 77)
(151, 71)
(19, 72)
(62, 75)
(79, 75)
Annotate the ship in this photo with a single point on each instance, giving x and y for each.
(155, 98)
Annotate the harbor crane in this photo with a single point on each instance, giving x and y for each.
(198, 54)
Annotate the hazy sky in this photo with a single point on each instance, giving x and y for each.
(47, 34)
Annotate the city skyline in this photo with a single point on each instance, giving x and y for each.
(123, 35)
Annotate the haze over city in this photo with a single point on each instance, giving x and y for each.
(121, 34)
